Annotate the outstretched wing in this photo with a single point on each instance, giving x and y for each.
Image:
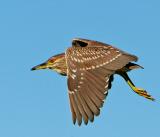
(90, 71)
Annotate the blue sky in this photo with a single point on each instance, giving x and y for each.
(35, 104)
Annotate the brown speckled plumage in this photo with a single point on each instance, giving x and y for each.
(90, 66)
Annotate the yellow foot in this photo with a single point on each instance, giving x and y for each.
(143, 93)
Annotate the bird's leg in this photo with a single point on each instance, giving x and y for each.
(139, 91)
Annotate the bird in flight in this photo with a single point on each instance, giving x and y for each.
(89, 66)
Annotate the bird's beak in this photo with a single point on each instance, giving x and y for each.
(41, 66)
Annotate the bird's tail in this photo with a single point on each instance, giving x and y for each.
(130, 66)
(139, 91)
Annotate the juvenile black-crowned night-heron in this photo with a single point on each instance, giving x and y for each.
(90, 66)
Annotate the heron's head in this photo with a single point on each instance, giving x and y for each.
(56, 63)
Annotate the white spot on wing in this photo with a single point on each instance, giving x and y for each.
(81, 78)
(107, 79)
(74, 70)
(75, 90)
(106, 92)
(106, 86)
(70, 92)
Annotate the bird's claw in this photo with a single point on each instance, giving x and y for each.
(143, 93)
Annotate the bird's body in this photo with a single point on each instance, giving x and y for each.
(90, 66)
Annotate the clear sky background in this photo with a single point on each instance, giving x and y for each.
(35, 104)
